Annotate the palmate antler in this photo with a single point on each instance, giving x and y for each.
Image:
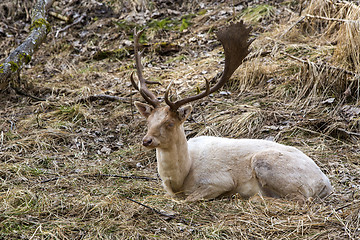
(235, 41)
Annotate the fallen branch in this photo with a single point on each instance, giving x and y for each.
(152, 209)
(101, 175)
(22, 93)
(23, 53)
(127, 177)
(345, 206)
(50, 179)
(70, 25)
(103, 97)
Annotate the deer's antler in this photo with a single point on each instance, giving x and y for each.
(235, 43)
(141, 87)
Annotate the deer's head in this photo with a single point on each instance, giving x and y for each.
(165, 122)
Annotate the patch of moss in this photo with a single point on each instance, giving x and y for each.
(118, 54)
(184, 24)
(125, 25)
(162, 24)
(257, 13)
(39, 23)
(202, 12)
(26, 58)
(172, 24)
(1, 68)
(13, 66)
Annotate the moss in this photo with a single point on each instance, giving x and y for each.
(1, 68)
(202, 12)
(126, 26)
(118, 54)
(171, 24)
(184, 24)
(26, 58)
(13, 66)
(39, 23)
(257, 13)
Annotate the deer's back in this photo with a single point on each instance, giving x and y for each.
(228, 150)
(234, 162)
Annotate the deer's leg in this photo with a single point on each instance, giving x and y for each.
(167, 187)
(207, 191)
(204, 192)
(280, 176)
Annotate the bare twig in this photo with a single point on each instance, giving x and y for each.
(292, 26)
(333, 19)
(22, 93)
(70, 25)
(102, 175)
(103, 97)
(345, 206)
(152, 209)
(50, 179)
(348, 132)
(127, 177)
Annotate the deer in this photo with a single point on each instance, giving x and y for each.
(208, 167)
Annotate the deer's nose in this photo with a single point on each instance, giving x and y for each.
(147, 142)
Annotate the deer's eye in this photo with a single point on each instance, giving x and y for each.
(169, 124)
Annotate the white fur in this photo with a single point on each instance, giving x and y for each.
(250, 166)
(208, 167)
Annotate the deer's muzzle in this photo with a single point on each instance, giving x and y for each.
(147, 141)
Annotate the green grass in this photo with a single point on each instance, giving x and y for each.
(256, 13)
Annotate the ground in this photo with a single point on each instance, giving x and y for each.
(72, 165)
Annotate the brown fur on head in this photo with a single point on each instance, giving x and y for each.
(163, 124)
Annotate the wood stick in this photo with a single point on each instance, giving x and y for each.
(333, 19)
(292, 26)
(102, 175)
(103, 97)
(152, 209)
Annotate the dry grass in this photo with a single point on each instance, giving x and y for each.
(65, 165)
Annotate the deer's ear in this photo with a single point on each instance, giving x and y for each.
(184, 112)
(144, 109)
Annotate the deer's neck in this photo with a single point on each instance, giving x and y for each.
(174, 162)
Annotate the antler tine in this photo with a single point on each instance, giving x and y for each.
(166, 97)
(177, 104)
(141, 87)
(234, 40)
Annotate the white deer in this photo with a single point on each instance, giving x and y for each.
(208, 167)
